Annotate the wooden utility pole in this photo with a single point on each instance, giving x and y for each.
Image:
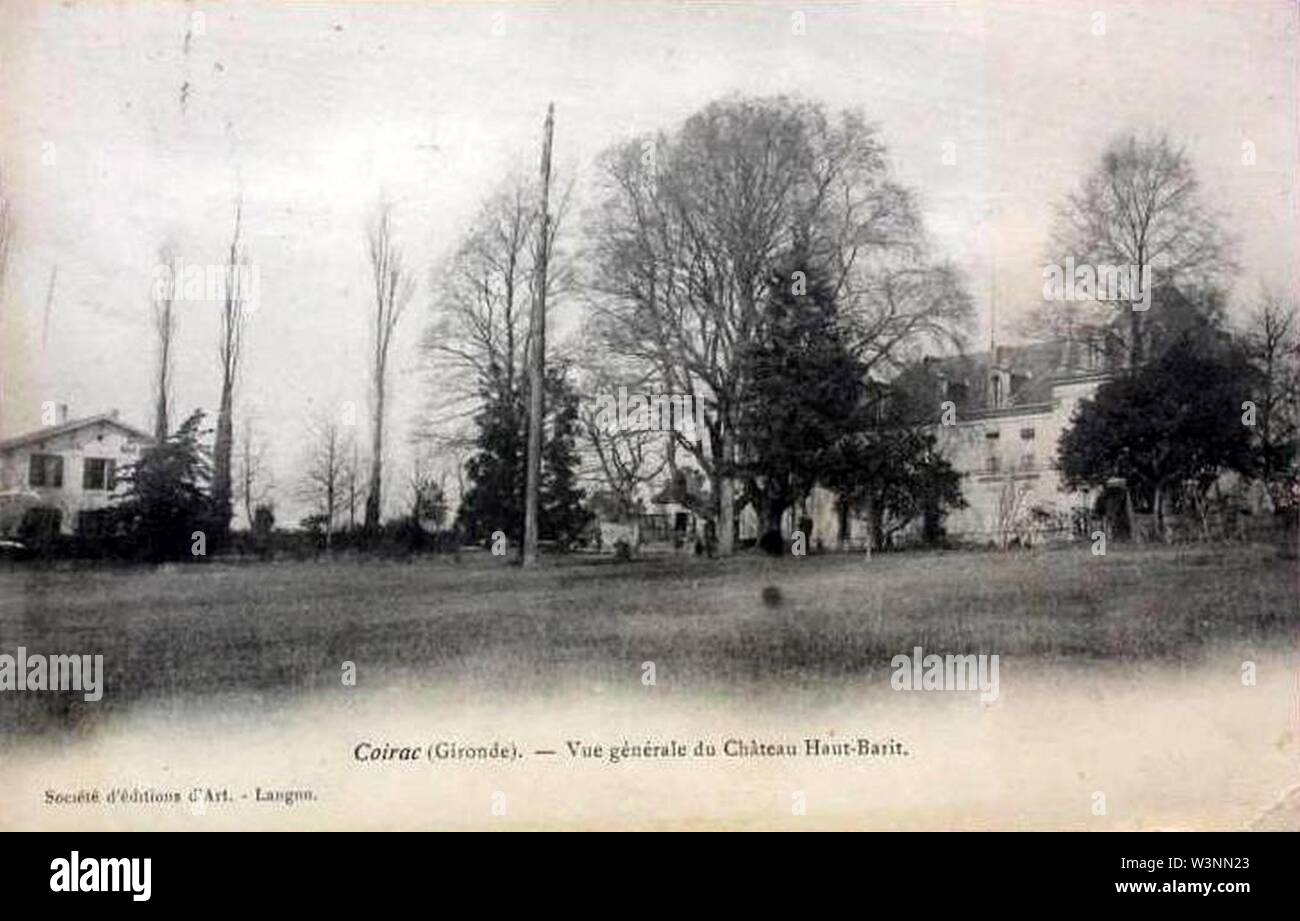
(537, 353)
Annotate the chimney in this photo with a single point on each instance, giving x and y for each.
(60, 413)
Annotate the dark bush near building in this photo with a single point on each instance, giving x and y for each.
(40, 530)
(772, 543)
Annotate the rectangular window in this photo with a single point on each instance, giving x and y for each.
(45, 470)
(991, 452)
(98, 473)
(1027, 434)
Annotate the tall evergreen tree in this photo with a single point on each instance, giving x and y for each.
(495, 498)
(561, 516)
(497, 473)
(801, 392)
(167, 496)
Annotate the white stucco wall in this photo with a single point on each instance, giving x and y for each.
(97, 440)
(1026, 467)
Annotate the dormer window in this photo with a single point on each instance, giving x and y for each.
(997, 390)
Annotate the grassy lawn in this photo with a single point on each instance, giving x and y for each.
(483, 623)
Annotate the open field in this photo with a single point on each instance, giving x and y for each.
(1120, 676)
(487, 626)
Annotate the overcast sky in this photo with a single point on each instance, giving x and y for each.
(316, 110)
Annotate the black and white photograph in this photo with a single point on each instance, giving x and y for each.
(649, 416)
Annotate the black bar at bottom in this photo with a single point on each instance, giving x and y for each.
(341, 872)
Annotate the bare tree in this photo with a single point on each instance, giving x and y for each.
(352, 482)
(1273, 345)
(1140, 208)
(164, 329)
(428, 493)
(621, 458)
(692, 225)
(393, 290)
(624, 461)
(253, 477)
(324, 474)
(229, 353)
(476, 344)
(480, 309)
(482, 294)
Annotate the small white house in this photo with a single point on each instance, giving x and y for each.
(70, 465)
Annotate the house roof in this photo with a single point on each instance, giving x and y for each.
(1033, 369)
(72, 425)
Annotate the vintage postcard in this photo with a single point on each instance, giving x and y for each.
(648, 416)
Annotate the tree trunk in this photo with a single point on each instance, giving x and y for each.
(329, 515)
(376, 457)
(773, 514)
(222, 451)
(1135, 338)
(248, 489)
(724, 487)
(160, 417)
(1158, 506)
(1137, 350)
(725, 490)
(874, 515)
(164, 331)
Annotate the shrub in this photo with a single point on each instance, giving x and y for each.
(39, 529)
(772, 543)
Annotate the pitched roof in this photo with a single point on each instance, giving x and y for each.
(72, 425)
(1033, 369)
